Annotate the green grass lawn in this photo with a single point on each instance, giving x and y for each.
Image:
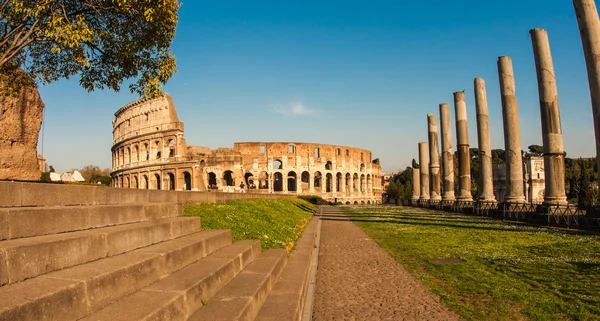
(509, 272)
(277, 223)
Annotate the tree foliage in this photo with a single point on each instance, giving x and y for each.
(535, 150)
(105, 42)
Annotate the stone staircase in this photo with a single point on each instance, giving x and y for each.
(141, 261)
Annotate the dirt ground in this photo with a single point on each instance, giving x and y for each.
(358, 280)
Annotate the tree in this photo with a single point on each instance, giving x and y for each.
(52, 169)
(393, 192)
(498, 156)
(104, 42)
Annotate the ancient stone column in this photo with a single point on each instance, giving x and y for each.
(424, 160)
(589, 28)
(554, 156)
(416, 180)
(447, 154)
(512, 132)
(462, 146)
(486, 178)
(434, 158)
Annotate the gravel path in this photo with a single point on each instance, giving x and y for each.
(358, 280)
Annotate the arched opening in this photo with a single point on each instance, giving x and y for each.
(369, 183)
(228, 178)
(362, 183)
(135, 182)
(136, 153)
(355, 203)
(318, 182)
(146, 151)
(158, 154)
(338, 182)
(347, 203)
(249, 179)
(171, 178)
(277, 164)
(187, 181)
(128, 155)
(362, 167)
(348, 183)
(145, 182)
(305, 181)
(171, 148)
(328, 183)
(355, 182)
(369, 202)
(263, 180)
(127, 183)
(157, 181)
(291, 181)
(277, 182)
(202, 163)
(212, 181)
(328, 166)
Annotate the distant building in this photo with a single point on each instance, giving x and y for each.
(533, 180)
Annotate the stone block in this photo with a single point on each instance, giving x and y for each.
(122, 239)
(115, 277)
(30, 257)
(243, 296)
(143, 305)
(43, 299)
(10, 194)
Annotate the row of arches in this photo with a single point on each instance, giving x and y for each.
(153, 181)
(292, 182)
(144, 151)
(278, 165)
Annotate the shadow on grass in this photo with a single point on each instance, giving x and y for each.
(473, 226)
(304, 208)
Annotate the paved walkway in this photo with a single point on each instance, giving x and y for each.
(358, 280)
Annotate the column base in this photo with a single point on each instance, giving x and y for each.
(555, 201)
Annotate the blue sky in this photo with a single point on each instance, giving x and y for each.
(357, 73)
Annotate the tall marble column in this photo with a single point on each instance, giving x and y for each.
(447, 154)
(434, 158)
(424, 160)
(416, 181)
(554, 156)
(512, 132)
(462, 146)
(589, 28)
(486, 178)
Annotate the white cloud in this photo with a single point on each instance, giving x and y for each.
(294, 108)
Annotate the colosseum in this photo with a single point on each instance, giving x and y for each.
(150, 152)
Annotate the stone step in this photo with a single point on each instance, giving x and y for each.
(183, 292)
(17, 222)
(287, 299)
(243, 297)
(74, 292)
(25, 258)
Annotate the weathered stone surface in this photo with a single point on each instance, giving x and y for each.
(554, 157)
(447, 154)
(486, 184)
(589, 28)
(512, 132)
(434, 158)
(416, 184)
(462, 146)
(424, 160)
(20, 123)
